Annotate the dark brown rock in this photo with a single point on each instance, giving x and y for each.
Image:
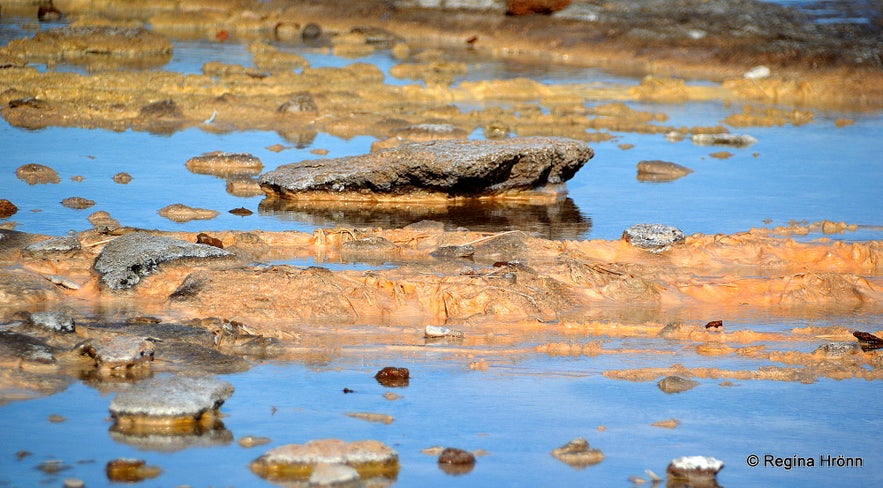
(390, 376)
(676, 384)
(7, 209)
(436, 169)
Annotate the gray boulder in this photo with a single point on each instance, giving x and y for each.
(653, 237)
(173, 397)
(125, 260)
(450, 168)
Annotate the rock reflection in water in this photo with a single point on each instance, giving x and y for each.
(200, 436)
(558, 220)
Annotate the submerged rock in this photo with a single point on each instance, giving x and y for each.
(653, 237)
(34, 174)
(676, 384)
(168, 401)
(661, 171)
(224, 164)
(578, 454)
(125, 260)
(178, 212)
(838, 349)
(298, 461)
(735, 140)
(125, 470)
(435, 170)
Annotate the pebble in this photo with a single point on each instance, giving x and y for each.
(252, 441)
(653, 237)
(757, 73)
(676, 384)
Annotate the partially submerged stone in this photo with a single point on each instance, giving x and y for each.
(163, 403)
(7, 208)
(653, 237)
(77, 203)
(219, 163)
(676, 384)
(511, 168)
(456, 461)
(661, 171)
(578, 454)
(126, 470)
(125, 260)
(178, 212)
(369, 458)
(33, 173)
(120, 352)
(437, 331)
(392, 377)
(698, 470)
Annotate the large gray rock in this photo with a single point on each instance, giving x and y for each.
(125, 260)
(450, 168)
(174, 397)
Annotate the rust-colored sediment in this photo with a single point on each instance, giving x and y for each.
(571, 296)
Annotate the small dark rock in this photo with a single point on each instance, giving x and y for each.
(676, 384)
(528, 7)
(715, 324)
(661, 171)
(452, 455)
(868, 341)
(7, 209)
(393, 377)
(241, 211)
(311, 32)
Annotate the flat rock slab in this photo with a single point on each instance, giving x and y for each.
(510, 168)
(369, 458)
(126, 259)
(175, 397)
